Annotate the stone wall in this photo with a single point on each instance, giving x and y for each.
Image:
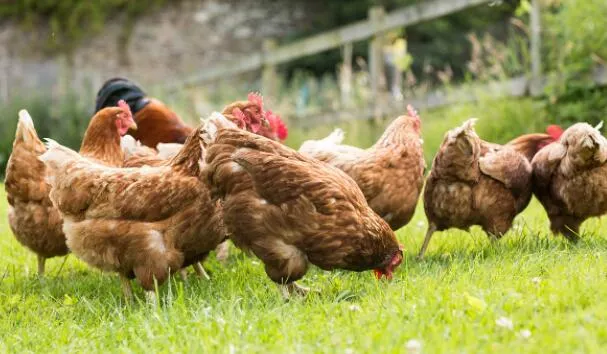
(170, 43)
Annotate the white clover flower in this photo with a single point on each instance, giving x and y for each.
(414, 346)
(525, 333)
(504, 322)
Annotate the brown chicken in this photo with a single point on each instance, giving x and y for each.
(156, 123)
(569, 178)
(247, 115)
(34, 221)
(390, 173)
(290, 210)
(142, 223)
(475, 183)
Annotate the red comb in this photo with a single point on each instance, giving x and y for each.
(241, 117)
(256, 98)
(554, 131)
(412, 112)
(125, 107)
(277, 125)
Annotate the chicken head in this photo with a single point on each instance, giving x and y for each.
(392, 263)
(124, 119)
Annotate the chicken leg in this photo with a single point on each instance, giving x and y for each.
(127, 291)
(200, 271)
(41, 262)
(566, 225)
(429, 233)
(151, 298)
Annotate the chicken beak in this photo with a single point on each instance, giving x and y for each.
(378, 274)
(133, 126)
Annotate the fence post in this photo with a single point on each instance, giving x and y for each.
(536, 48)
(376, 63)
(345, 75)
(268, 74)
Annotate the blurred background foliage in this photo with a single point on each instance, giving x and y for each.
(72, 21)
(483, 44)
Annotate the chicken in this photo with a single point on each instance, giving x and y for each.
(290, 210)
(569, 178)
(156, 122)
(247, 115)
(250, 115)
(475, 183)
(142, 223)
(34, 221)
(390, 173)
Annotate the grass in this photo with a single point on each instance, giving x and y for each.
(450, 301)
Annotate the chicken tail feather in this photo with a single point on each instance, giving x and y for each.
(336, 137)
(25, 128)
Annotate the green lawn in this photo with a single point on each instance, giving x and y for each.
(450, 302)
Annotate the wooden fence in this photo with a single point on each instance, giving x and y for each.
(375, 27)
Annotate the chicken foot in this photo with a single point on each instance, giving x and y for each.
(222, 252)
(292, 289)
(429, 233)
(150, 297)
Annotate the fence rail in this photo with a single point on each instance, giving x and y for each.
(373, 26)
(521, 86)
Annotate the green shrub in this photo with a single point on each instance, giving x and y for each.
(64, 120)
(575, 40)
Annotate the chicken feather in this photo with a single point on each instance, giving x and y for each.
(473, 182)
(35, 222)
(290, 210)
(140, 222)
(390, 173)
(569, 178)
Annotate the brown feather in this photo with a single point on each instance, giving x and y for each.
(569, 179)
(142, 222)
(390, 173)
(473, 182)
(35, 222)
(156, 123)
(290, 210)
